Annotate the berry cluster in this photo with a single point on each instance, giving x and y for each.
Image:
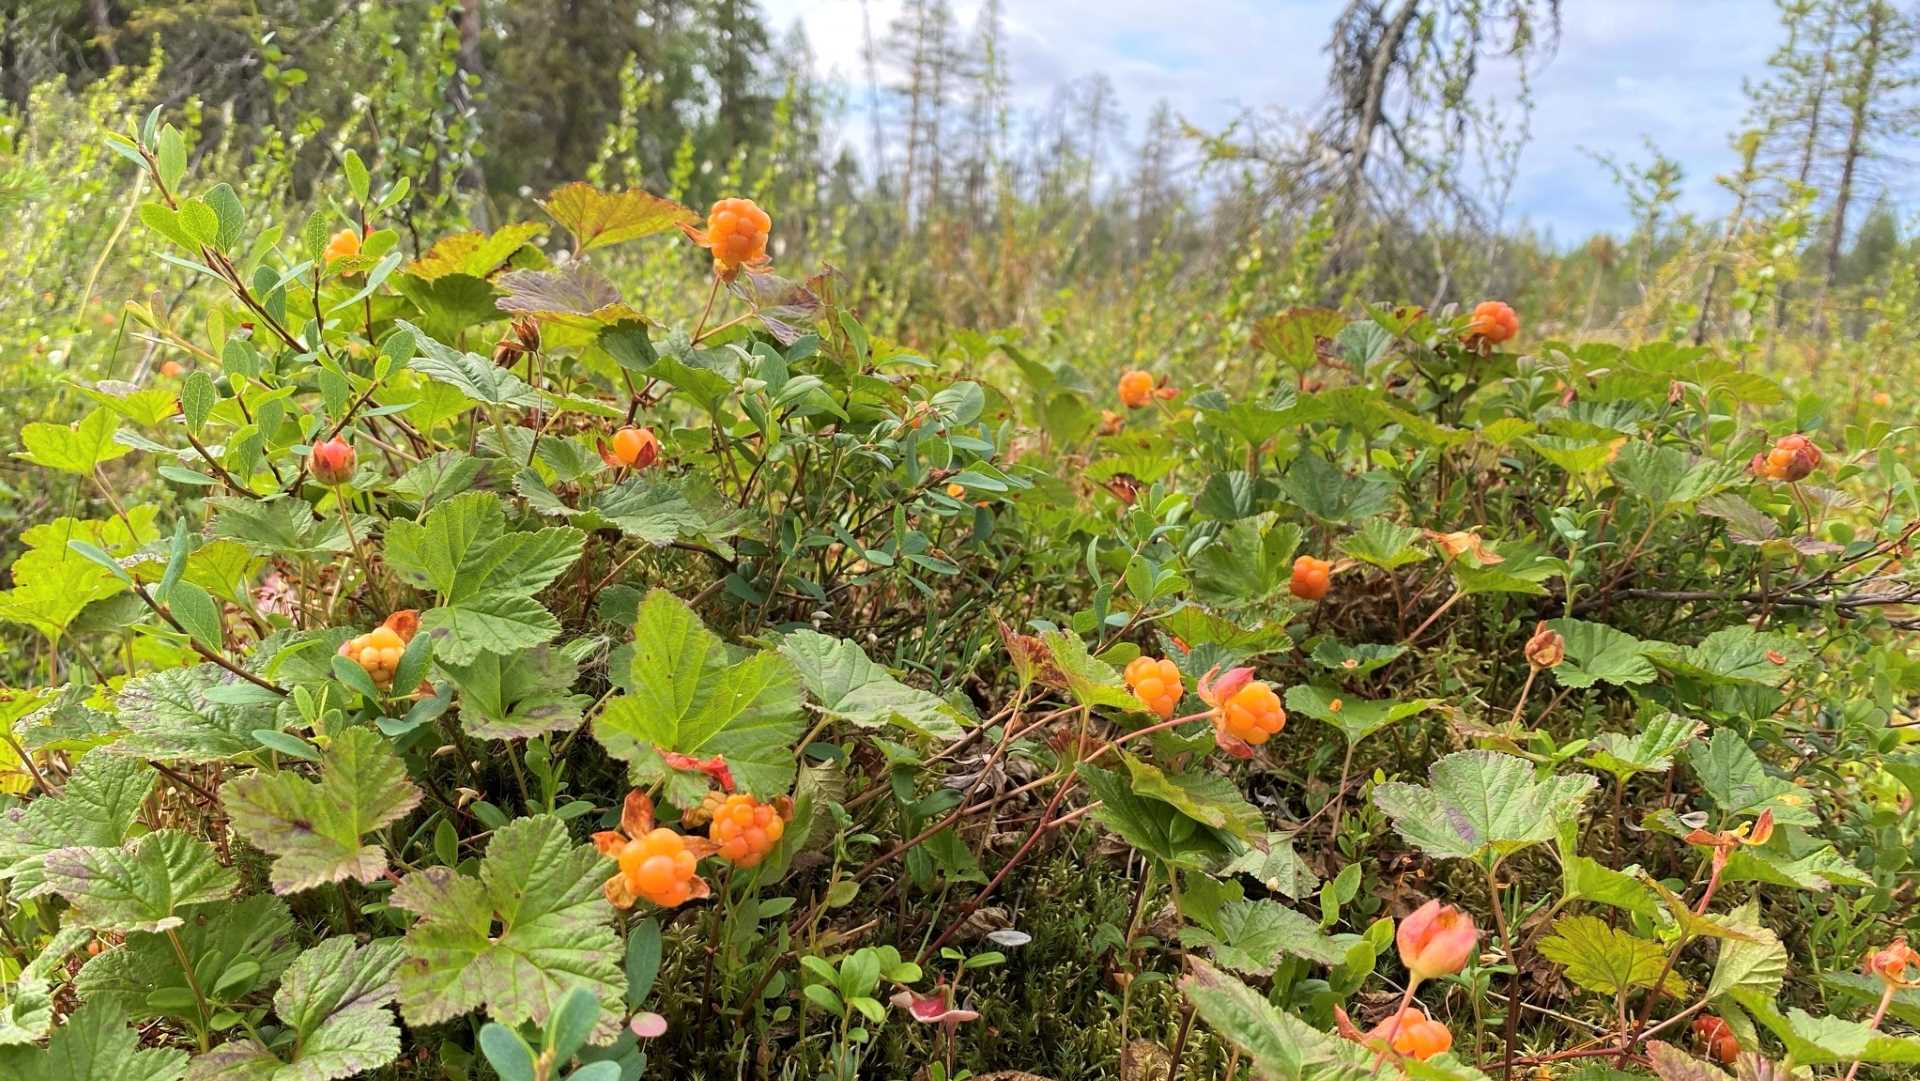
(1136, 389)
(380, 649)
(736, 233)
(1791, 458)
(1493, 322)
(1253, 714)
(1311, 578)
(659, 867)
(746, 829)
(1156, 683)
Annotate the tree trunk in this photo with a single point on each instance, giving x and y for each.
(1380, 67)
(1858, 104)
(102, 20)
(1809, 149)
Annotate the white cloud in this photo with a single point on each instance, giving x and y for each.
(1624, 70)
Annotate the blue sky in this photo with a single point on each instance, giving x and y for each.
(1666, 70)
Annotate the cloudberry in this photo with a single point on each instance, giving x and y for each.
(1494, 322)
(173, 369)
(736, 233)
(746, 829)
(1252, 714)
(656, 863)
(956, 491)
(1791, 458)
(702, 813)
(344, 244)
(1411, 1032)
(1310, 578)
(659, 868)
(634, 448)
(380, 649)
(1156, 683)
(332, 462)
(1136, 389)
(1717, 1039)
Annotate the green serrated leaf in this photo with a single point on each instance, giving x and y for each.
(141, 886)
(850, 687)
(688, 693)
(314, 828)
(533, 926)
(1481, 806)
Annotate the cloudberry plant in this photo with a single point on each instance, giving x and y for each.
(1311, 578)
(380, 649)
(1493, 322)
(1156, 683)
(736, 233)
(1136, 389)
(746, 829)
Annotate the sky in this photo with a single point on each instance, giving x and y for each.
(1626, 71)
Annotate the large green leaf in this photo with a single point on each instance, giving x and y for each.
(313, 828)
(334, 998)
(1207, 798)
(1739, 784)
(142, 977)
(1481, 806)
(689, 693)
(141, 886)
(1607, 959)
(483, 577)
(1356, 718)
(1758, 965)
(1278, 1045)
(1249, 561)
(1649, 750)
(1151, 825)
(1667, 477)
(1735, 655)
(76, 447)
(94, 1044)
(473, 375)
(281, 528)
(1273, 861)
(1818, 1041)
(95, 810)
(533, 926)
(1090, 680)
(1251, 936)
(518, 696)
(174, 714)
(1597, 653)
(851, 687)
(599, 218)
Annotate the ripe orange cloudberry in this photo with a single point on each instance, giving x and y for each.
(631, 448)
(380, 649)
(1136, 389)
(1246, 712)
(1493, 322)
(1156, 683)
(656, 863)
(1311, 578)
(1717, 1039)
(736, 233)
(1411, 1032)
(746, 829)
(344, 244)
(1791, 458)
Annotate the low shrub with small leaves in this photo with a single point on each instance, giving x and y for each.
(456, 667)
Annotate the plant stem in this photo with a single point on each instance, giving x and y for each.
(706, 311)
(193, 984)
(1506, 946)
(1879, 1014)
